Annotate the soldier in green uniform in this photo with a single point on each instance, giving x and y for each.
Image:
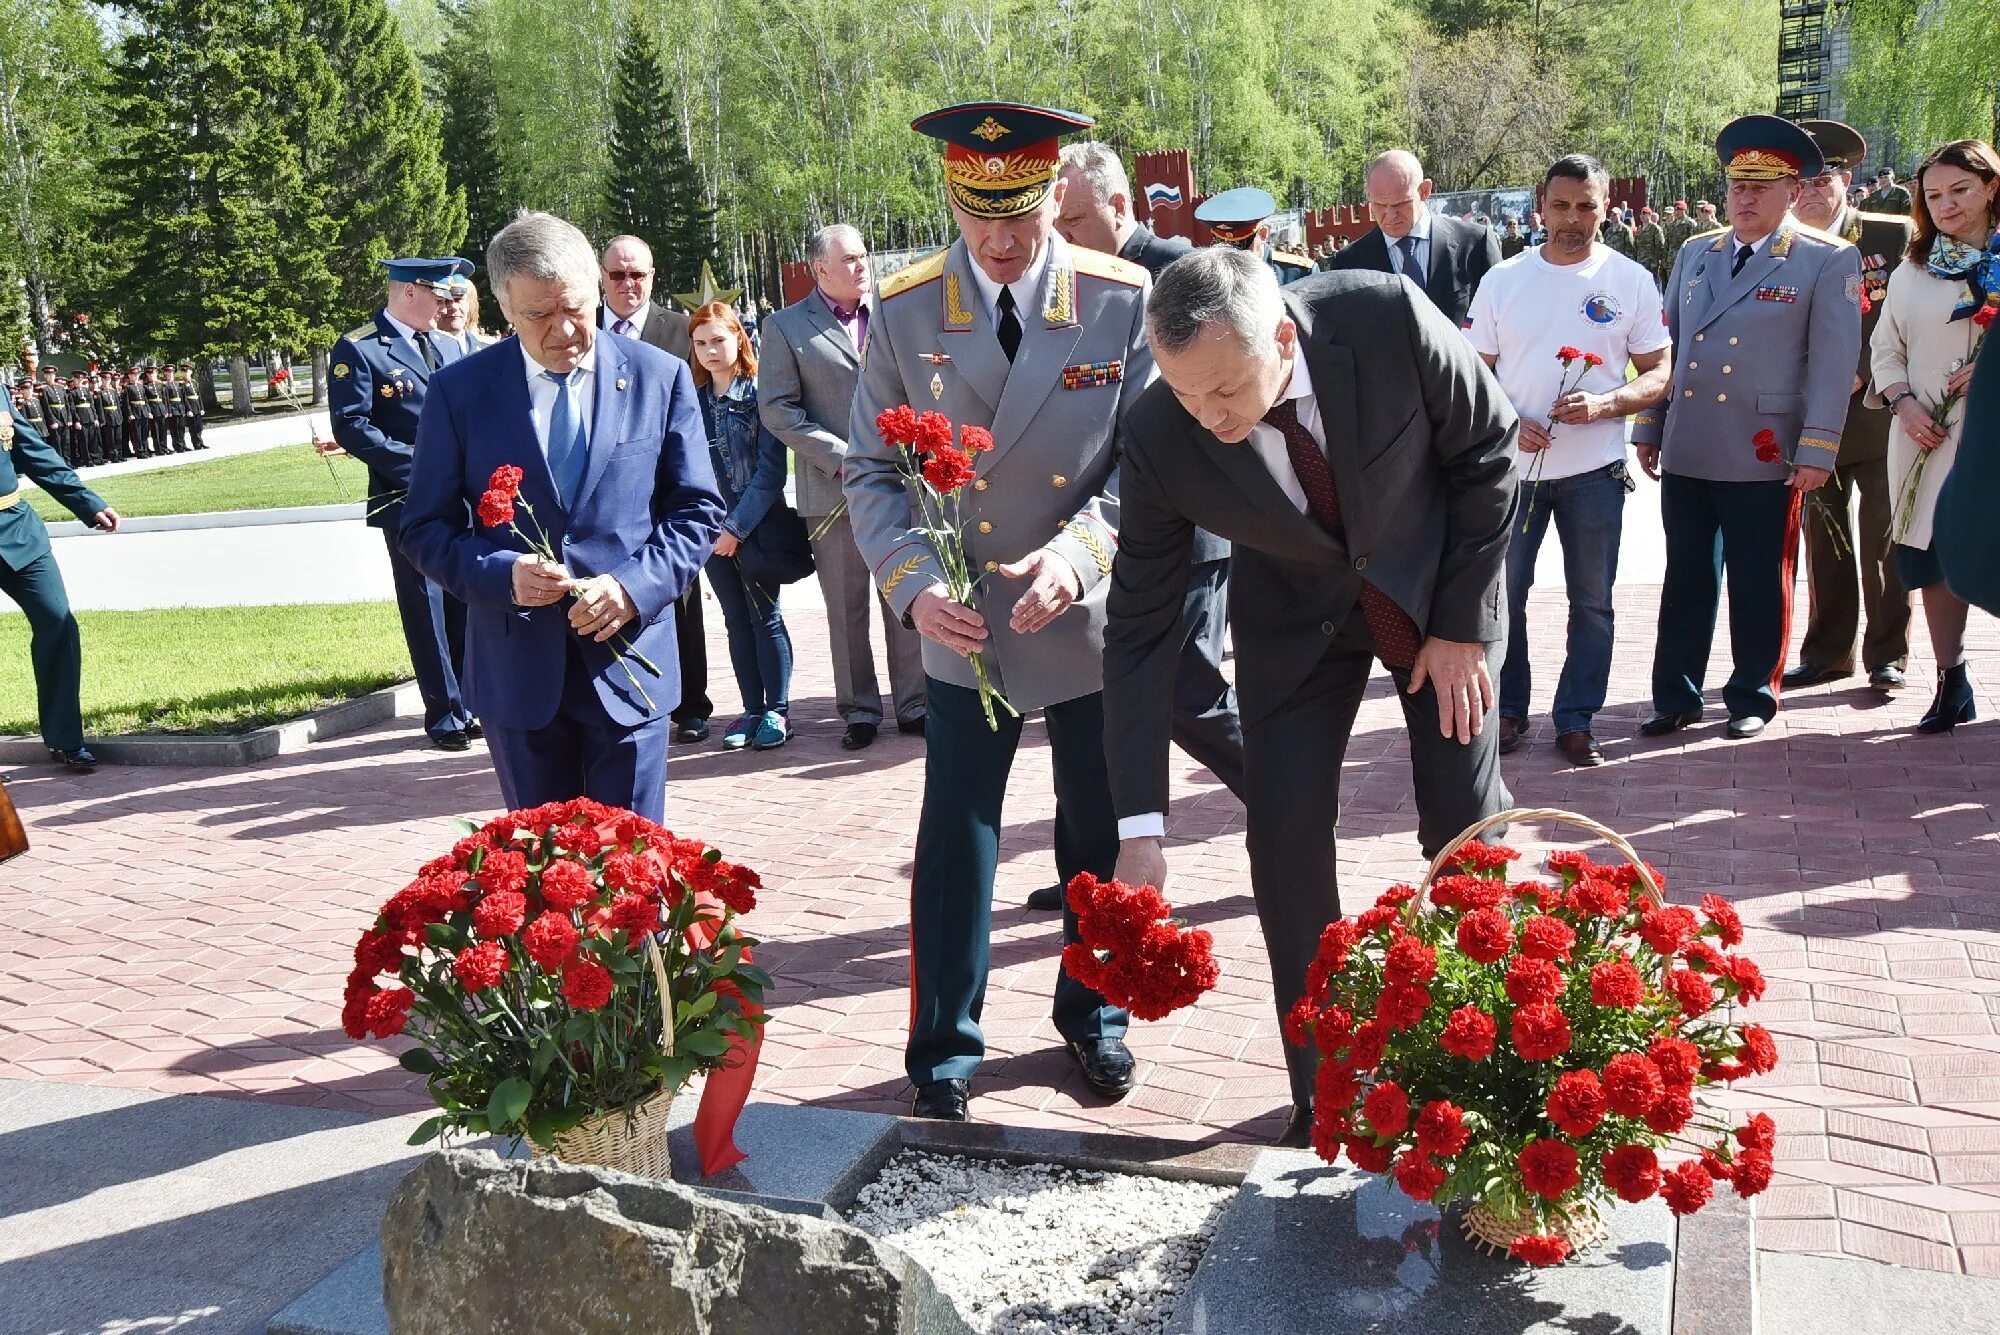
(1887, 196)
(1512, 240)
(1614, 233)
(1649, 246)
(1849, 571)
(1679, 227)
(1237, 218)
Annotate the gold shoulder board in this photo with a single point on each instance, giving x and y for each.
(360, 332)
(915, 275)
(1097, 264)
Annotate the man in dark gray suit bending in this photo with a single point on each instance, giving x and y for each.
(1367, 524)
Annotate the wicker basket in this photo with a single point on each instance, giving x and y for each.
(632, 1140)
(1581, 1225)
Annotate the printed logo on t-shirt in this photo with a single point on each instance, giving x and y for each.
(1601, 308)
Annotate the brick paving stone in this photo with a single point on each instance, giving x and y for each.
(187, 930)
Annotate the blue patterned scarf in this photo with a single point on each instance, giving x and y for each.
(1979, 270)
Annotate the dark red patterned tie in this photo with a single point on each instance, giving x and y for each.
(1396, 635)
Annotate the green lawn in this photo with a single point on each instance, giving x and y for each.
(285, 475)
(209, 670)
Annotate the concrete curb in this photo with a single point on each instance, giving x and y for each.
(296, 514)
(246, 748)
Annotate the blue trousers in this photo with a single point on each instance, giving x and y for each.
(760, 648)
(1588, 511)
(1743, 527)
(958, 845)
(55, 648)
(434, 630)
(581, 752)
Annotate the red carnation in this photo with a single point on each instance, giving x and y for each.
(1705, 958)
(1375, 919)
(566, 884)
(1365, 1052)
(1751, 1172)
(1546, 938)
(1686, 1187)
(1749, 979)
(550, 941)
(1297, 1018)
(1728, 923)
(503, 872)
(1441, 1129)
(736, 886)
(1539, 1249)
(1674, 1111)
(1368, 1156)
(1766, 436)
(507, 478)
(975, 439)
(1540, 1032)
(1694, 993)
(496, 508)
(499, 914)
(482, 966)
(1679, 1060)
(1592, 359)
(1632, 1084)
(1567, 354)
(1593, 896)
(898, 425)
(1387, 1109)
(1469, 1033)
(947, 470)
(1332, 1030)
(1533, 981)
(586, 984)
(632, 874)
(1632, 1171)
(1769, 454)
(933, 433)
(1667, 930)
(386, 1012)
(1418, 1176)
(1468, 892)
(1548, 1168)
(1617, 983)
(1410, 961)
(1402, 1005)
(1759, 1051)
(1485, 935)
(1483, 859)
(1395, 897)
(1335, 941)
(1570, 865)
(1334, 1087)
(378, 952)
(1576, 1103)
(1983, 317)
(635, 914)
(1759, 1133)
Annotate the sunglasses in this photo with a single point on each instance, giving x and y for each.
(628, 275)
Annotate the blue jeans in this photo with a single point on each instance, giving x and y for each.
(1589, 515)
(760, 649)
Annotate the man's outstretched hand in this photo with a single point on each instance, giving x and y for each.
(1464, 690)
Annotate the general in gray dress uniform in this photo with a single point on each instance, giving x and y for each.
(1766, 322)
(1043, 343)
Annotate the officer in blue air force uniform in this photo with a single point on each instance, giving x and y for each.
(379, 374)
(1766, 322)
(1236, 218)
(1015, 330)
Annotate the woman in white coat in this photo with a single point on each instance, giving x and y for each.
(1933, 317)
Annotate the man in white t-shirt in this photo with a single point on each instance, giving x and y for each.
(1570, 297)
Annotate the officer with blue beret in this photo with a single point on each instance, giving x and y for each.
(379, 373)
(1237, 218)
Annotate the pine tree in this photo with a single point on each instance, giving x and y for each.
(228, 247)
(652, 189)
(690, 238)
(468, 99)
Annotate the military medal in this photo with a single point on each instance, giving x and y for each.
(934, 358)
(1090, 375)
(937, 386)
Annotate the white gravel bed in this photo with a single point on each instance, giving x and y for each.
(1032, 1249)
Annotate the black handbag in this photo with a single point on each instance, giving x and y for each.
(778, 550)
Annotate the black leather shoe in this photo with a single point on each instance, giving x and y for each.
(473, 732)
(858, 736)
(1048, 899)
(79, 761)
(694, 730)
(455, 740)
(1661, 724)
(911, 727)
(1888, 678)
(1298, 1132)
(1952, 705)
(1747, 726)
(1812, 674)
(1107, 1066)
(940, 1101)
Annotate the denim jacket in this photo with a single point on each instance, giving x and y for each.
(749, 461)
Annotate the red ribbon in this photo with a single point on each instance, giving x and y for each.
(728, 1087)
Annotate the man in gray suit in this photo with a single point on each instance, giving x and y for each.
(809, 359)
(1345, 438)
(626, 273)
(1014, 330)
(1766, 324)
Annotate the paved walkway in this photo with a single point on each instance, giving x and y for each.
(187, 931)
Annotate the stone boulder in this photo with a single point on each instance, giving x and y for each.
(477, 1245)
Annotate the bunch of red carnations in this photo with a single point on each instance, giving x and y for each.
(519, 961)
(1134, 950)
(1533, 1047)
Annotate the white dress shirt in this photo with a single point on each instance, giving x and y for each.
(1269, 443)
(1023, 288)
(1422, 232)
(542, 395)
(409, 335)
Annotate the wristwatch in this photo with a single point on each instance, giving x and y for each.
(1899, 396)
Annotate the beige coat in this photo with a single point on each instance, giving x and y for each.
(1916, 341)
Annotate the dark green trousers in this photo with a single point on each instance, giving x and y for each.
(55, 648)
(958, 846)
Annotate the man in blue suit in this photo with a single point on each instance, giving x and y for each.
(380, 374)
(570, 663)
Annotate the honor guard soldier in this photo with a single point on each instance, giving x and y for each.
(187, 407)
(138, 415)
(156, 410)
(1237, 218)
(28, 406)
(169, 399)
(378, 375)
(1849, 571)
(110, 416)
(1765, 320)
(191, 407)
(84, 421)
(1014, 330)
(61, 417)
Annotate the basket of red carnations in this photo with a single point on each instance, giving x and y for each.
(1531, 1048)
(565, 970)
